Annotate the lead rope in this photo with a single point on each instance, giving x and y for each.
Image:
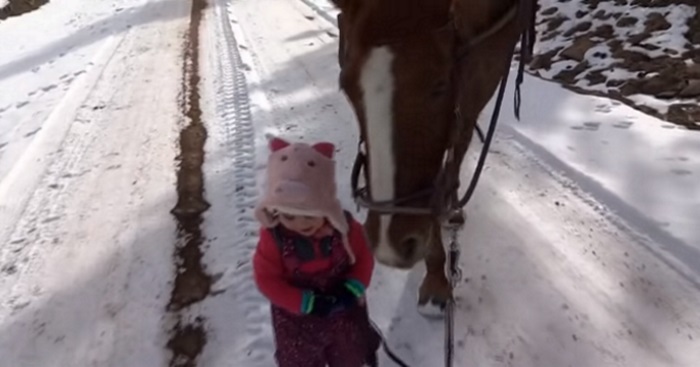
(455, 272)
(455, 278)
(453, 253)
(388, 350)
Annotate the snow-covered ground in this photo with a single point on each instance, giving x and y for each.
(642, 52)
(89, 128)
(641, 168)
(565, 265)
(579, 250)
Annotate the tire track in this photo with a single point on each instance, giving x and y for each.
(239, 332)
(192, 282)
(32, 193)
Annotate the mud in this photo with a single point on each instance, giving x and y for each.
(192, 283)
(188, 341)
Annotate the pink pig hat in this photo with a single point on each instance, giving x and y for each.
(301, 181)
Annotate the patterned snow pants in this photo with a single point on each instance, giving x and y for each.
(341, 340)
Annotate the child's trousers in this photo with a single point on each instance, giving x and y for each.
(345, 339)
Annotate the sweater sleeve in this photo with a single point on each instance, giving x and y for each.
(361, 273)
(269, 277)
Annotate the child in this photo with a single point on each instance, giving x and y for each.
(312, 262)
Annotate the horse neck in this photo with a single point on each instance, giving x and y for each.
(395, 17)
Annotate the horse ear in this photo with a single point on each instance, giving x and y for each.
(325, 148)
(276, 144)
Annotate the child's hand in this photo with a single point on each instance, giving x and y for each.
(323, 305)
(345, 294)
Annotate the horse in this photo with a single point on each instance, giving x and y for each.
(417, 74)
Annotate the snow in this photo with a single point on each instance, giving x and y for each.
(672, 38)
(86, 177)
(649, 166)
(582, 267)
(579, 248)
(667, 42)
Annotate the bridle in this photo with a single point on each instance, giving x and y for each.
(442, 196)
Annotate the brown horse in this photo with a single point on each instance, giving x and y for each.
(407, 67)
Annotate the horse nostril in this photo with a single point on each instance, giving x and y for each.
(409, 247)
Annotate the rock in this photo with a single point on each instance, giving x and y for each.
(625, 22)
(638, 38)
(630, 57)
(692, 54)
(684, 113)
(614, 83)
(544, 61)
(693, 34)
(649, 47)
(662, 86)
(693, 71)
(605, 31)
(667, 94)
(550, 10)
(556, 22)
(581, 27)
(596, 77)
(625, 28)
(578, 50)
(550, 35)
(602, 15)
(656, 22)
(662, 3)
(615, 45)
(19, 7)
(569, 76)
(592, 4)
(691, 90)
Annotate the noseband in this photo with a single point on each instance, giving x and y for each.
(442, 196)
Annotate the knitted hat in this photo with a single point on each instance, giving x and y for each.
(301, 181)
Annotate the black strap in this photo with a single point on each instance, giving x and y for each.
(386, 348)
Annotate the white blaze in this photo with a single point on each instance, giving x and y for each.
(377, 83)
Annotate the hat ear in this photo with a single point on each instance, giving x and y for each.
(325, 148)
(276, 144)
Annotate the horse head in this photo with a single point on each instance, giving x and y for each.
(406, 67)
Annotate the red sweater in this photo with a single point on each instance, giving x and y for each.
(270, 274)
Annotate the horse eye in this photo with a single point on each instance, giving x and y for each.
(311, 163)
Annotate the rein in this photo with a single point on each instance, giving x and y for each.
(444, 202)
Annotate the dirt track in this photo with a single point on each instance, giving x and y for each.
(192, 283)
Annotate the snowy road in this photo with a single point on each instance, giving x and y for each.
(555, 279)
(553, 276)
(87, 239)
